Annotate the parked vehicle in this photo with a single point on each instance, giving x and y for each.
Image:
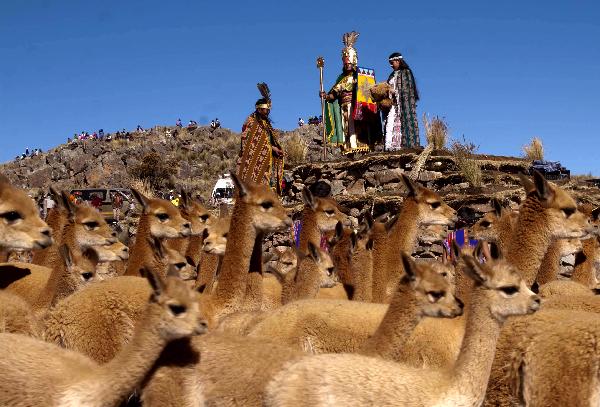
(105, 196)
(223, 191)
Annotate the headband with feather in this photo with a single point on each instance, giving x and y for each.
(265, 101)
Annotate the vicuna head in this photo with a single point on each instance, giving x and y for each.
(434, 293)
(486, 228)
(175, 305)
(87, 225)
(326, 211)
(428, 205)
(164, 219)
(173, 260)
(559, 210)
(194, 212)
(505, 292)
(114, 252)
(281, 263)
(20, 224)
(215, 236)
(80, 269)
(262, 205)
(321, 258)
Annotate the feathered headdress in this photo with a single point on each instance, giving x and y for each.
(265, 101)
(349, 54)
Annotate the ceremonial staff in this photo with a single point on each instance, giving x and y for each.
(320, 65)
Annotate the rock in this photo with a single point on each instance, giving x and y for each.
(387, 176)
(355, 212)
(357, 187)
(41, 178)
(337, 187)
(426, 176)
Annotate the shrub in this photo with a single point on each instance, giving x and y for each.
(468, 165)
(295, 148)
(154, 170)
(142, 186)
(535, 150)
(436, 131)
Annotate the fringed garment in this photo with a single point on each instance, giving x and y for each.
(257, 162)
(402, 125)
(348, 124)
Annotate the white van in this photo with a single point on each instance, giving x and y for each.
(223, 190)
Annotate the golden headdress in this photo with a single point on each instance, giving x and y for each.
(349, 54)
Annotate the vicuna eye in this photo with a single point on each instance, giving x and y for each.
(444, 274)
(177, 309)
(179, 266)
(11, 216)
(330, 271)
(162, 216)
(510, 290)
(435, 205)
(87, 276)
(267, 205)
(91, 225)
(485, 224)
(225, 235)
(435, 296)
(204, 217)
(568, 211)
(330, 212)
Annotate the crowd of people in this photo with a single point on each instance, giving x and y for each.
(312, 120)
(27, 153)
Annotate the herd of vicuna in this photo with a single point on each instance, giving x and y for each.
(194, 314)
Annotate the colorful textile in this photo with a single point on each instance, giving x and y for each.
(257, 162)
(402, 125)
(351, 120)
(461, 237)
(297, 228)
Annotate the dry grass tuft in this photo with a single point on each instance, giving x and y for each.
(535, 150)
(142, 186)
(436, 131)
(464, 156)
(295, 148)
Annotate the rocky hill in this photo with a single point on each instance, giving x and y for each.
(194, 159)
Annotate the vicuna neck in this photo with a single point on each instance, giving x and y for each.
(584, 272)
(310, 231)
(128, 368)
(550, 265)
(531, 240)
(233, 276)
(399, 321)
(254, 285)
(307, 281)
(474, 364)
(380, 246)
(141, 249)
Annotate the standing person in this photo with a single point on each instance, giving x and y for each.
(351, 119)
(96, 201)
(178, 123)
(117, 202)
(300, 122)
(48, 204)
(261, 155)
(401, 124)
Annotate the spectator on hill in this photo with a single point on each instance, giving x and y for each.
(213, 125)
(178, 123)
(48, 204)
(101, 133)
(217, 123)
(117, 202)
(96, 201)
(139, 129)
(27, 152)
(300, 122)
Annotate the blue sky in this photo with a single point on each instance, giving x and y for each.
(500, 72)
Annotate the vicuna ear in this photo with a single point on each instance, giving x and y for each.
(240, 186)
(526, 183)
(308, 198)
(156, 282)
(411, 186)
(383, 218)
(55, 195)
(473, 269)
(444, 255)
(390, 223)
(409, 266)
(580, 258)
(497, 207)
(368, 221)
(65, 253)
(494, 251)
(455, 249)
(69, 206)
(595, 213)
(157, 247)
(92, 255)
(339, 232)
(370, 244)
(542, 187)
(313, 252)
(184, 202)
(353, 241)
(190, 261)
(201, 288)
(140, 198)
